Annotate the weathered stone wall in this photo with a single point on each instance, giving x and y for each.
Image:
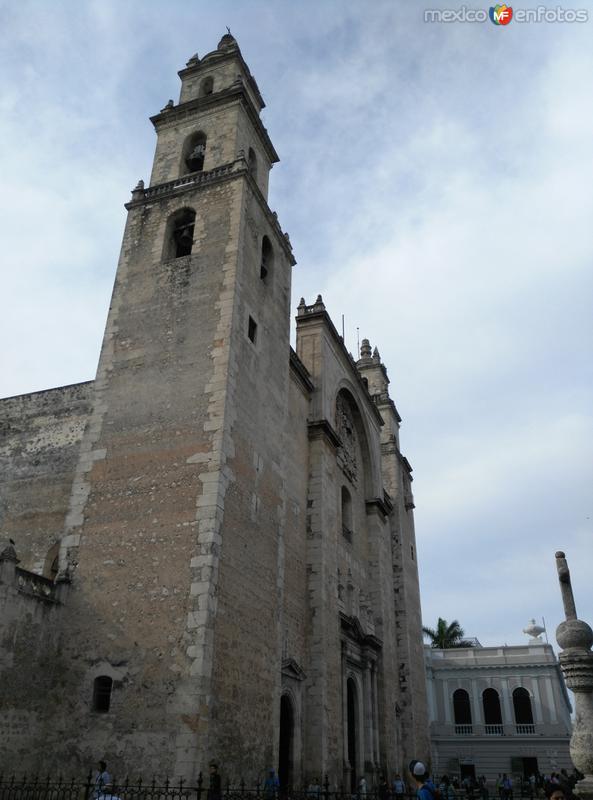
(247, 641)
(139, 603)
(40, 435)
(33, 671)
(352, 578)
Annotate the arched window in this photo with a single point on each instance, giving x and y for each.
(346, 514)
(522, 707)
(267, 259)
(491, 703)
(462, 711)
(252, 163)
(206, 87)
(180, 234)
(102, 693)
(194, 152)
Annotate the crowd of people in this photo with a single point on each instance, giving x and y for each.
(556, 786)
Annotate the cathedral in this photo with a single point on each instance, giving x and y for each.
(208, 552)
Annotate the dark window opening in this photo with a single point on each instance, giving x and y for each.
(252, 330)
(492, 711)
(462, 711)
(346, 514)
(352, 728)
(267, 258)
(252, 163)
(183, 234)
(206, 87)
(522, 707)
(195, 152)
(102, 693)
(412, 551)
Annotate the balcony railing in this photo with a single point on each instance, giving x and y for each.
(493, 730)
(464, 730)
(525, 729)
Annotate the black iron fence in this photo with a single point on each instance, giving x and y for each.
(57, 788)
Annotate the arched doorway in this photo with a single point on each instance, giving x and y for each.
(285, 760)
(352, 733)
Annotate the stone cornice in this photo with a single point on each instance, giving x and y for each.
(301, 372)
(236, 91)
(202, 180)
(381, 505)
(438, 668)
(321, 428)
(383, 400)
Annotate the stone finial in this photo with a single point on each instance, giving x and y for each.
(570, 610)
(169, 105)
(319, 304)
(138, 190)
(575, 637)
(365, 349)
(228, 40)
(376, 356)
(193, 60)
(8, 552)
(533, 630)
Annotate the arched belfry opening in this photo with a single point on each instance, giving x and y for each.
(206, 87)
(267, 259)
(179, 238)
(352, 728)
(286, 746)
(194, 153)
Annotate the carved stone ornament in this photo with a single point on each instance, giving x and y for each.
(575, 637)
(347, 433)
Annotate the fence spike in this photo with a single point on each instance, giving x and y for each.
(153, 783)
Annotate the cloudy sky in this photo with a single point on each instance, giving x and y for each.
(436, 181)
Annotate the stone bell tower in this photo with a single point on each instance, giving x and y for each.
(175, 525)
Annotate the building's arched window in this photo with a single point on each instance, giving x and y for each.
(267, 259)
(180, 235)
(252, 163)
(346, 514)
(462, 712)
(194, 152)
(206, 87)
(522, 707)
(491, 703)
(102, 693)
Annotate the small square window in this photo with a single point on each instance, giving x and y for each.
(252, 330)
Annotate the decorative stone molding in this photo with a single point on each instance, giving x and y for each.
(575, 638)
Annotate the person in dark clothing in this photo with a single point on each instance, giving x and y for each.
(214, 789)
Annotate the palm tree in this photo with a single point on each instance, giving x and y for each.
(445, 636)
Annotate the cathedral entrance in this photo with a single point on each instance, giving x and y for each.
(352, 731)
(286, 742)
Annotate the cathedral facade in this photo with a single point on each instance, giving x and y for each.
(208, 552)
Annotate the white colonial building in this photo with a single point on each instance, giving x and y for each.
(498, 709)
